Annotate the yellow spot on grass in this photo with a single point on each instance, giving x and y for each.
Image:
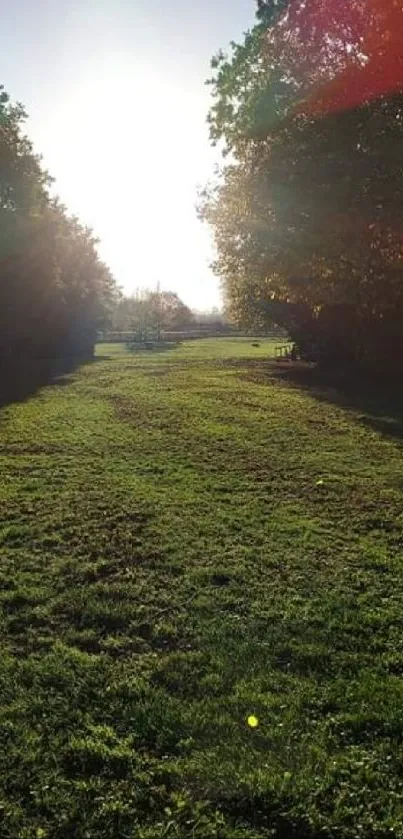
(253, 721)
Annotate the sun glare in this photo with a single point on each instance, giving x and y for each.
(135, 148)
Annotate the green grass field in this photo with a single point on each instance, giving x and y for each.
(188, 538)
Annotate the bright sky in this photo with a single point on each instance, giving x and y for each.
(117, 103)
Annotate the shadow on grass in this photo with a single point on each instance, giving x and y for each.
(152, 346)
(23, 378)
(264, 815)
(379, 399)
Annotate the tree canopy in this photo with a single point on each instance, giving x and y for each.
(55, 291)
(147, 313)
(307, 209)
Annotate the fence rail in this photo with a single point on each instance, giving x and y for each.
(185, 335)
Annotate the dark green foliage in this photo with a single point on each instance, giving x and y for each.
(307, 215)
(268, 11)
(54, 290)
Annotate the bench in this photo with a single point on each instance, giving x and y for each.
(283, 352)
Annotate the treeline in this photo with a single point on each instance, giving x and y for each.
(308, 210)
(146, 314)
(55, 292)
(154, 315)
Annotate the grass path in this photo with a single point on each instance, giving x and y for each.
(187, 540)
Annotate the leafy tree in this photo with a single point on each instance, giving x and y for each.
(306, 213)
(172, 313)
(148, 313)
(55, 291)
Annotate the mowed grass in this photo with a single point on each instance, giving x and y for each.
(188, 540)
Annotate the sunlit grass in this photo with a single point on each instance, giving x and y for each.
(201, 597)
